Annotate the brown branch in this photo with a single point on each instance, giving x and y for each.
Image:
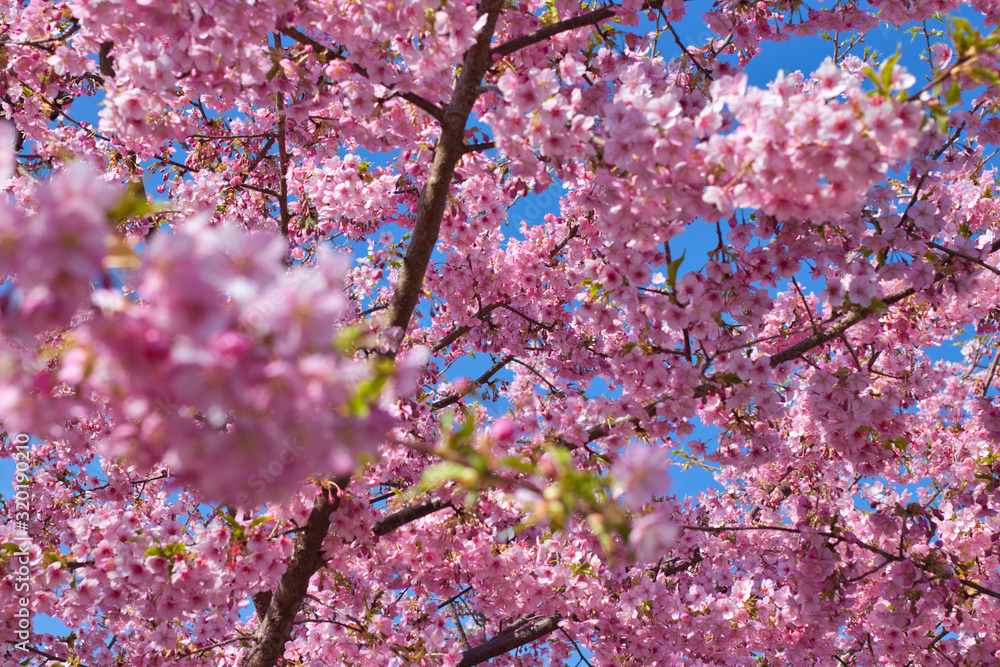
(836, 330)
(591, 18)
(805, 304)
(105, 61)
(540, 325)
(981, 589)
(460, 331)
(992, 373)
(454, 597)
(252, 188)
(534, 371)
(458, 625)
(956, 253)
(562, 244)
(408, 515)
(261, 603)
(230, 137)
(475, 384)
(261, 154)
(889, 557)
(583, 20)
(77, 564)
(434, 196)
(48, 656)
(307, 557)
(691, 56)
(482, 146)
(432, 109)
(508, 641)
(205, 649)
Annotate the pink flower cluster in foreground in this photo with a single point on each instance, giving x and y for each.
(218, 353)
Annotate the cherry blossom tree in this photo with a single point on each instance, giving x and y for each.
(326, 399)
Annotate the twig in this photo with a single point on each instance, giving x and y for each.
(475, 384)
(992, 373)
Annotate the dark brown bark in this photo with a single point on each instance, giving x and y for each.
(105, 61)
(434, 196)
(307, 557)
(306, 560)
(583, 20)
(460, 331)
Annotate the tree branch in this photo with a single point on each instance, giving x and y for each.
(460, 331)
(889, 557)
(286, 216)
(307, 557)
(583, 20)
(434, 196)
(475, 384)
(591, 18)
(482, 146)
(790, 353)
(508, 641)
(432, 109)
(408, 515)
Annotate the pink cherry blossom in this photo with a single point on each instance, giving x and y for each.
(444, 313)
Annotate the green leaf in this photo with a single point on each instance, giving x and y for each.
(132, 204)
(954, 94)
(467, 429)
(888, 66)
(961, 34)
(987, 74)
(167, 550)
(445, 471)
(515, 463)
(942, 119)
(672, 269)
(345, 339)
(879, 88)
(879, 304)
(259, 520)
(366, 394)
(960, 26)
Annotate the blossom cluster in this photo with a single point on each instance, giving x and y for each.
(214, 353)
